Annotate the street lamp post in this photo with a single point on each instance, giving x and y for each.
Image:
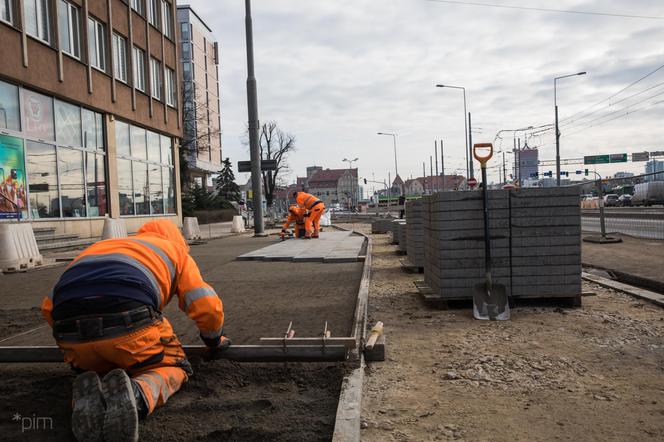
(555, 103)
(254, 141)
(350, 171)
(394, 140)
(469, 161)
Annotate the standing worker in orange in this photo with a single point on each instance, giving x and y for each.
(106, 314)
(296, 215)
(315, 208)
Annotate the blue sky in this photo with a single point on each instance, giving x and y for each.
(335, 73)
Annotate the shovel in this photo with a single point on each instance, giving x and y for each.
(489, 299)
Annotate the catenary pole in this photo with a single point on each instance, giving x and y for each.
(254, 141)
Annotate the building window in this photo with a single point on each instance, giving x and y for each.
(186, 51)
(70, 34)
(96, 44)
(72, 183)
(95, 183)
(120, 57)
(93, 130)
(166, 18)
(42, 180)
(37, 19)
(184, 31)
(139, 69)
(37, 115)
(145, 172)
(6, 11)
(154, 12)
(155, 77)
(170, 87)
(67, 124)
(9, 108)
(137, 5)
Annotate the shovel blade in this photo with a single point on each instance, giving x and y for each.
(490, 305)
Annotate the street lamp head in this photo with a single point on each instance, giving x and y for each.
(345, 159)
(355, 159)
(440, 85)
(581, 73)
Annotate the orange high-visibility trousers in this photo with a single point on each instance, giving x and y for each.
(135, 353)
(312, 222)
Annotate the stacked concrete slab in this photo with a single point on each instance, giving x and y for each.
(535, 237)
(394, 230)
(383, 225)
(403, 236)
(455, 253)
(414, 232)
(546, 242)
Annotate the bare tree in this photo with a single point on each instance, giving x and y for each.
(197, 131)
(275, 144)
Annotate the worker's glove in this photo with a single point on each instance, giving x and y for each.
(215, 352)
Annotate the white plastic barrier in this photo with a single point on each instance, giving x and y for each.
(191, 229)
(238, 224)
(114, 228)
(325, 219)
(19, 247)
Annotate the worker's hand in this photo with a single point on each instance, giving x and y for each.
(217, 351)
(283, 230)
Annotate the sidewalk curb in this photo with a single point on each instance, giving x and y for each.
(630, 279)
(647, 295)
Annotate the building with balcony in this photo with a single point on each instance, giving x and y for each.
(90, 115)
(201, 142)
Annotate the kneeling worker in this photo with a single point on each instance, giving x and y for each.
(297, 216)
(315, 208)
(106, 316)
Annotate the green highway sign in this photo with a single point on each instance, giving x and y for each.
(605, 159)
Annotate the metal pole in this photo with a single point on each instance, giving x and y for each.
(518, 161)
(424, 174)
(469, 156)
(442, 164)
(389, 191)
(254, 125)
(435, 152)
(504, 170)
(470, 142)
(396, 164)
(431, 167)
(557, 150)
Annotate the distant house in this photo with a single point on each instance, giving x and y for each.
(335, 186)
(426, 185)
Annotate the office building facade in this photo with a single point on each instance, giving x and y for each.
(201, 140)
(90, 115)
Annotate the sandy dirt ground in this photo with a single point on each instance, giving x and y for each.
(223, 400)
(551, 373)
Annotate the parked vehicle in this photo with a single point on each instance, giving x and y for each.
(648, 194)
(625, 200)
(611, 200)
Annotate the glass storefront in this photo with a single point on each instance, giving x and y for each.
(145, 171)
(53, 161)
(65, 154)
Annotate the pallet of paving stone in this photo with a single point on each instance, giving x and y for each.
(381, 226)
(415, 232)
(394, 230)
(403, 237)
(409, 267)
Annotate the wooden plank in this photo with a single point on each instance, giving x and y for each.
(653, 297)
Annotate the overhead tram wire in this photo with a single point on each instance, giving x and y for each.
(562, 121)
(549, 10)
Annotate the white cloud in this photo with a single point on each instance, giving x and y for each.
(335, 73)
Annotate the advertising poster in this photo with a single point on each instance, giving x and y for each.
(12, 178)
(38, 111)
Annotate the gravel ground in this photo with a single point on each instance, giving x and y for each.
(551, 373)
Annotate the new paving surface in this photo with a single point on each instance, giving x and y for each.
(223, 400)
(331, 247)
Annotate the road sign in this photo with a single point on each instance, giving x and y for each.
(605, 159)
(266, 165)
(640, 156)
(472, 182)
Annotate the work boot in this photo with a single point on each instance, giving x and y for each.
(315, 235)
(87, 419)
(141, 404)
(121, 419)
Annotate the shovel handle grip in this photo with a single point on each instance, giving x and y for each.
(483, 152)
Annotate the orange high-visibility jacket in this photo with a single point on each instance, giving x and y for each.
(295, 215)
(306, 200)
(160, 252)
